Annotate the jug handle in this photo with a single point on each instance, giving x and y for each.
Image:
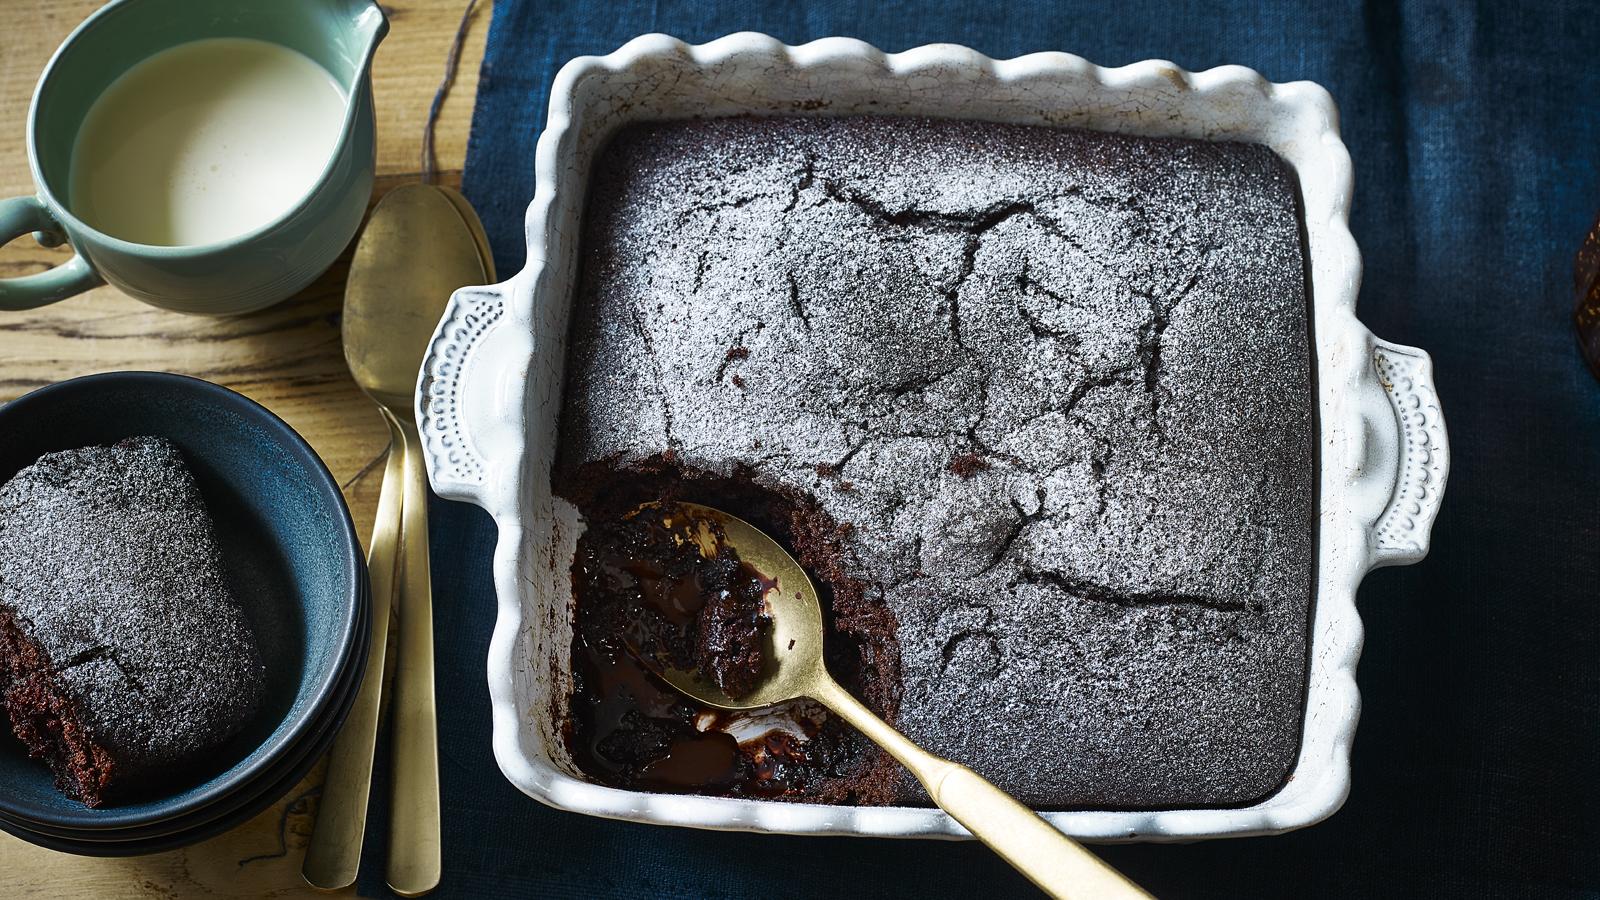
(18, 216)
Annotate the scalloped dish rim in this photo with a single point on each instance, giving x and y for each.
(489, 393)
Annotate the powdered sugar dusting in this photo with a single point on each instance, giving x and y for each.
(1111, 609)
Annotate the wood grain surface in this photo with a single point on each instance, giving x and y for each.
(287, 358)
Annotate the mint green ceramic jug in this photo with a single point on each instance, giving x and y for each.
(237, 275)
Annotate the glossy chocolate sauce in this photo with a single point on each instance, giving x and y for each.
(646, 598)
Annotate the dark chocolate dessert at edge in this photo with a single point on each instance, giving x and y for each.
(651, 601)
(123, 653)
(1033, 406)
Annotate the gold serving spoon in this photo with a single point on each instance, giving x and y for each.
(794, 668)
(420, 244)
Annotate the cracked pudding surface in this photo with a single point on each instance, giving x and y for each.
(1052, 387)
(122, 650)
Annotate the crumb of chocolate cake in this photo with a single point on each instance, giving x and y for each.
(738, 381)
(1117, 325)
(737, 353)
(967, 465)
(728, 637)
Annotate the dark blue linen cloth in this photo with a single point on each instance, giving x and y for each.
(1475, 130)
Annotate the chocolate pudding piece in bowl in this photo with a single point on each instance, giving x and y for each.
(1033, 405)
(123, 652)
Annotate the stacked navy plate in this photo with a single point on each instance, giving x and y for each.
(295, 565)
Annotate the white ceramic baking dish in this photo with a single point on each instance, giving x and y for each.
(490, 391)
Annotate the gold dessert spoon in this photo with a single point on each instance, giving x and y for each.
(419, 245)
(794, 668)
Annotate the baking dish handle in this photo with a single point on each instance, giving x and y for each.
(1421, 449)
(456, 392)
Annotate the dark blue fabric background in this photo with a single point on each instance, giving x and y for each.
(1475, 130)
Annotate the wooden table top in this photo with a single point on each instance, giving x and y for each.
(288, 358)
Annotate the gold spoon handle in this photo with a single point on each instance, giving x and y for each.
(334, 854)
(414, 860)
(1056, 863)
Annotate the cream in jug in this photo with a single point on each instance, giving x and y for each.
(204, 142)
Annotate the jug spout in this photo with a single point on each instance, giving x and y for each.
(368, 25)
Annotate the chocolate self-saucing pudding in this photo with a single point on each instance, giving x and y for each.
(1033, 406)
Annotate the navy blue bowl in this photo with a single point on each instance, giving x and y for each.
(292, 558)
